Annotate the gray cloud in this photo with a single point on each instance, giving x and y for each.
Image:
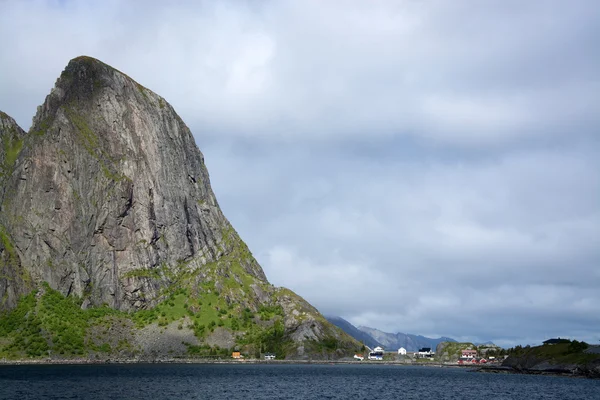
(413, 166)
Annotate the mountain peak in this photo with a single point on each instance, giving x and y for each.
(107, 200)
(85, 69)
(86, 61)
(83, 59)
(86, 78)
(3, 115)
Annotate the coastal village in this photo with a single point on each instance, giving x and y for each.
(448, 353)
(466, 354)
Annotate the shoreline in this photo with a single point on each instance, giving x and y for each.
(110, 361)
(496, 369)
(578, 373)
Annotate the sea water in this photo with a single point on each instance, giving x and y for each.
(280, 381)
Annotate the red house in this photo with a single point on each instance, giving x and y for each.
(469, 353)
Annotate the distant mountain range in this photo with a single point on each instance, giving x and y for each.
(390, 341)
(353, 331)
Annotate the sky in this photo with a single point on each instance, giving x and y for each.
(418, 166)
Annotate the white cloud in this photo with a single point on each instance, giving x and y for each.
(446, 151)
(491, 239)
(320, 70)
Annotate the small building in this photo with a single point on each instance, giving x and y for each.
(425, 352)
(358, 357)
(376, 354)
(402, 351)
(469, 353)
(236, 355)
(269, 356)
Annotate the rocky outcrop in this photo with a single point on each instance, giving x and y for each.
(11, 140)
(107, 198)
(14, 279)
(562, 359)
(452, 351)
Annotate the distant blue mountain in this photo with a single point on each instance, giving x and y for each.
(409, 341)
(390, 341)
(354, 331)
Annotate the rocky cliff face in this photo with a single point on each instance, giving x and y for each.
(14, 280)
(107, 199)
(109, 182)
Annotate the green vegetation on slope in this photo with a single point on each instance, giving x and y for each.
(42, 127)
(46, 322)
(271, 339)
(569, 352)
(447, 351)
(218, 295)
(12, 146)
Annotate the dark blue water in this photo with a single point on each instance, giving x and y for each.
(280, 382)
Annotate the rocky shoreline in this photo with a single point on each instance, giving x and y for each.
(556, 371)
(81, 361)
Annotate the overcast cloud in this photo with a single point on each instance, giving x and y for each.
(429, 167)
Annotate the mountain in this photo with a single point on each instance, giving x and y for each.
(353, 331)
(393, 341)
(112, 240)
(389, 341)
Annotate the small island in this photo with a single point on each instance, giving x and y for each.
(556, 357)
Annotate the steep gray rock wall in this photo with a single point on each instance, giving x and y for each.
(107, 198)
(14, 279)
(110, 181)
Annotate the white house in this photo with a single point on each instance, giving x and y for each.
(469, 353)
(376, 354)
(425, 352)
(402, 351)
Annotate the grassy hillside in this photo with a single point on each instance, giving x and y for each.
(570, 352)
(47, 324)
(206, 312)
